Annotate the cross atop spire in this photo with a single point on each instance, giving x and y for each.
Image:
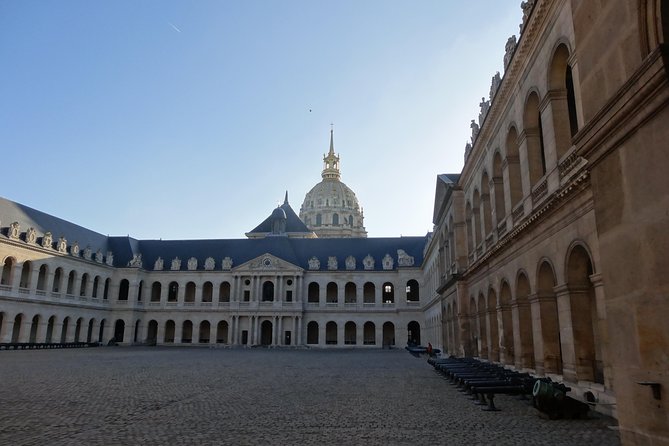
(331, 161)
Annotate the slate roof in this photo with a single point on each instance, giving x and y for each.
(293, 222)
(297, 251)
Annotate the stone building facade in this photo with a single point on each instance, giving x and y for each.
(547, 249)
(547, 253)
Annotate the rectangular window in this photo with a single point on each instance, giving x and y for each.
(289, 296)
(247, 295)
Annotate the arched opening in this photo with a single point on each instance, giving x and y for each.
(152, 333)
(331, 333)
(513, 167)
(207, 292)
(505, 322)
(335, 219)
(224, 292)
(312, 293)
(190, 292)
(266, 333)
(16, 330)
(413, 333)
(388, 334)
(222, 332)
(64, 329)
(268, 291)
(350, 333)
(140, 288)
(33, 329)
(187, 332)
(498, 186)
(369, 333)
(562, 100)
(155, 291)
(135, 338)
(7, 270)
(483, 327)
(57, 278)
(319, 220)
(368, 292)
(123, 289)
(41, 277)
(584, 320)
(525, 341)
(119, 330)
(331, 293)
(77, 329)
(350, 291)
(536, 155)
(172, 292)
(312, 332)
(101, 331)
(492, 327)
(96, 284)
(49, 329)
(84, 284)
(485, 204)
(205, 330)
(26, 272)
(388, 293)
(478, 240)
(469, 223)
(549, 320)
(89, 331)
(350, 220)
(71, 279)
(412, 291)
(170, 328)
(105, 294)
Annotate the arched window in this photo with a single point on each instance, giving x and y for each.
(187, 332)
(368, 293)
(412, 291)
(350, 333)
(335, 219)
(140, 288)
(369, 333)
(319, 219)
(513, 166)
(562, 100)
(498, 185)
(170, 329)
(156, 288)
(312, 332)
(96, 284)
(105, 294)
(350, 291)
(485, 204)
(207, 292)
(536, 155)
(84, 284)
(190, 292)
(172, 292)
(268, 291)
(57, 278)
(71, 279)
(350, 220)
(331, 333)
(313, 292)
(123, 289)
(331, 293)
(224, 292)
(388, 293)
(41, 277)
(26, 271)
(7, 270)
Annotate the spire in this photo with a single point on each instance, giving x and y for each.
(331, 161)
(285, 200)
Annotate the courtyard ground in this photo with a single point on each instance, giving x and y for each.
(165, 396)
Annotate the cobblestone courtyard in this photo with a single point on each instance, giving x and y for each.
(163, 396)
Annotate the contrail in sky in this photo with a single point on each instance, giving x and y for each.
(174, 26)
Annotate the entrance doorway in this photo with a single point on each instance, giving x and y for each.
(266, 333)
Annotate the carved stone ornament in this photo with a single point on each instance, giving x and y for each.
(368, 262)
(226, 263)
(209, 264)
(31, 236)
(14, 230)
(468, 150)
(88, 253)
(509, 48)
(314, 263)
(62, 245)
(74, 249)
(332, 263)
(136, 261)
(350, 263)
(475, 130)
(192, 264)
(110, 258)
(404, 259)
(526, 6)
(485, 107)
(387, 262)
(494, 85)
(176, 264)
(158, 265)
(98, 256)
(47, 240)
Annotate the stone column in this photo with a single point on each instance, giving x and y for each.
(178, 331)
(569, 364)
(517, 341)
(341, 334)
(213, 333)
(278, 290)
(107, 331)
(603, 338)
(41, 330)
(164, 290)
(160, 333)
(321, 334)
(7, 328)
(299, 331)
(232, 330)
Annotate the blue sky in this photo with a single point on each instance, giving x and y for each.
(176, 119)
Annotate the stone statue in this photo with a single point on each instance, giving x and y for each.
(158, 266)
(209, 264)
(192, 264)
(314, 263)
(226, 263)
(509, 48)
(98, 256)
(110, 258)
(475, 130)
(404, 259)
(485, 107)
(350, 263)
(526, 6)
(176, 264)
(136, 261)
(494, 85)
(332, 263)
(468, 150)
(14, 230)
(387, 262)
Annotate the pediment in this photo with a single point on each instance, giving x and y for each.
(267, 262)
